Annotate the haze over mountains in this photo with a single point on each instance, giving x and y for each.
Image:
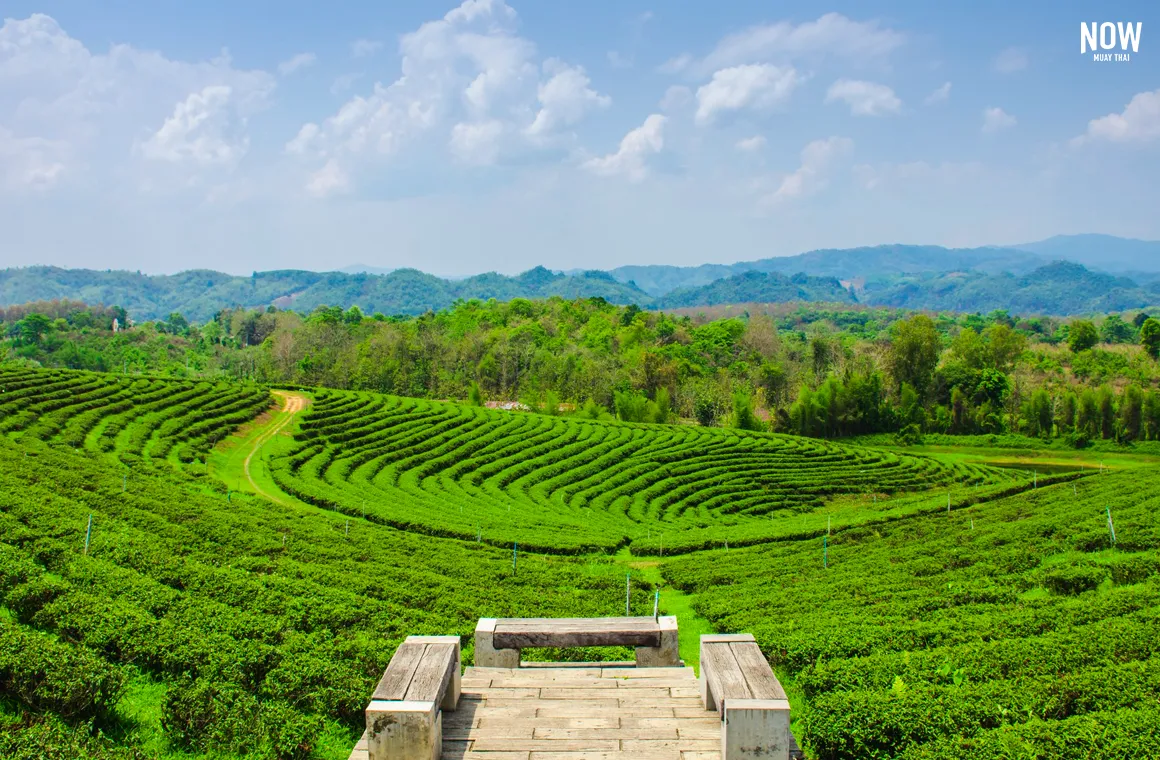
(1062, 275)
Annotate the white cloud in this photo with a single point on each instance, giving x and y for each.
(831, 35)
(294, 63)
(29, 163)
(365, 48)
(564, 99)
(1010, 60)
(477, 143)
(328, 180)
(198, 131)
(469, 68)
(82, 117)
(940, 95)
(748, 86)
(1139, 122)
(630, 159)
(750, 144)
(864, 98)
(817, 161)
(996, 119)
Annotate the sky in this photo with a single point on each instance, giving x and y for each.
(459, 139)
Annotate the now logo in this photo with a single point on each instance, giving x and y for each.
(1106, 36)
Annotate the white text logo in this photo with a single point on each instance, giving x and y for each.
(1098, 37)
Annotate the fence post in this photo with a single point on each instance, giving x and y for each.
(89, 533)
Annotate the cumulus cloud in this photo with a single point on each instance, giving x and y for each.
(328, 180)
(630, 160)
(85, 116)
(29, 163)
(564, 99)
(469, 69)
(198, 131)
(1139, 122)
(817, 160)
(477, 143)
(864, 98)
(750, 144)
(996, 120)
(1010, 60)
(758, 86)
(940, 95)
(830, 35)
(294, 63)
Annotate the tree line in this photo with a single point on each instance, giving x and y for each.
(826, 372)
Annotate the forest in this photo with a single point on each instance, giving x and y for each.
(813, 370)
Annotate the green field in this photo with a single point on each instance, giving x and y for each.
(208, 620)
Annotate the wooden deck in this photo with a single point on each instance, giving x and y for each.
(592, 711)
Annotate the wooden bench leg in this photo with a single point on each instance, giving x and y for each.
(486, 655)
(755, 728)
(668, 654)
(404, 730)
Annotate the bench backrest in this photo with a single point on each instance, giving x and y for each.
(523, 633)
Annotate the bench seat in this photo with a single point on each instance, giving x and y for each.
(738, 683)
(405, 716)
(498, 641)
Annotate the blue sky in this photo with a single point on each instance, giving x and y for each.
(485, 136)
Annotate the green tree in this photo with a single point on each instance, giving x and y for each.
(914, 352)
(474, 394)
(1066, 417)
(1150, 336)
(1087, 414)
(1082, 336)
(1106, 404)
(1131, 412)
(743, 416)
(33, 328)
(1115, 330)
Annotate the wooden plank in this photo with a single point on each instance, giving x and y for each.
(522, 633)
(433, 674)
(606, 733)
(762, 683)
(726, 680)
(553, 745)
(606, 623)
(397, 678)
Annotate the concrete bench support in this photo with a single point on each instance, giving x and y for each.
(405, 716)
(738, 683)
(498, 641)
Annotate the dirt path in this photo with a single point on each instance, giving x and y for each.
(292, 404)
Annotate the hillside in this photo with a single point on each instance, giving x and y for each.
(765, 287)
(1107, 252)
(199, 294)
(1058, 288)
(865, 262)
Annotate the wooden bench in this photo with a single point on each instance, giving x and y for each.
(737, 682)
(498, 641)
(405, 715)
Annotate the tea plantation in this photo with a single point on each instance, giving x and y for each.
(191, 620)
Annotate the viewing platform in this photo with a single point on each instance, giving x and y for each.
(574, 711)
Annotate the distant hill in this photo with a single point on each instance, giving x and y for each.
(850, 263)
(1106, 252)
(198, 294)
(1058, 288)
(761, 287)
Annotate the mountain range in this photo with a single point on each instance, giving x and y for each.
(1061, 275)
